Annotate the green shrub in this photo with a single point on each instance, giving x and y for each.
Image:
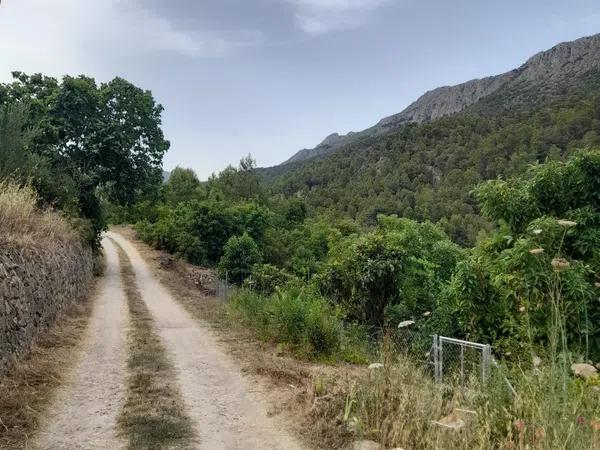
(266, 278)
(250, 308)
(322, 328)
(239, 256)
(398, 269)
(301, 319)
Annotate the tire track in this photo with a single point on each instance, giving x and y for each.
(84, 415)
(217, 397)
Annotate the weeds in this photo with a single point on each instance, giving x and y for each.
(153, 416)
(22, 220)
(27, 389)
(303, 321)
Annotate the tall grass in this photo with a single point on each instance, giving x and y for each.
(21, 219)
(302, 320)
(399, 404)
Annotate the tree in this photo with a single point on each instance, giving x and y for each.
(236, 184)
(536, 274)
(182, 186)
(105, 136)
(240, 255)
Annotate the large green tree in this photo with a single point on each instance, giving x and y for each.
(183, 186)
(104, 137)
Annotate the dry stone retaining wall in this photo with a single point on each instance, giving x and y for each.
(38, 280)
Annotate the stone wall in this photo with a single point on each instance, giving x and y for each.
(38, 280)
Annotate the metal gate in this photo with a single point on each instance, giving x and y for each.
(455, 360)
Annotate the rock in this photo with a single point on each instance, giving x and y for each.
(375, 366)
(365, 444)
(585, 371)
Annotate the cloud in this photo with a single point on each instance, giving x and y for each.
(75, 36)
(315, 17)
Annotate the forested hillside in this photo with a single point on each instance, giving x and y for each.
(549, 75)
(423, 163)
(427, 171)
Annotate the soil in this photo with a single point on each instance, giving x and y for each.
(85, 410)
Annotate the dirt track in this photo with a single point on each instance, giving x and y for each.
(86, 408)
(225, 412)
(217, 397)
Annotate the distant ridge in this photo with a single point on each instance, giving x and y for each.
(544, 75)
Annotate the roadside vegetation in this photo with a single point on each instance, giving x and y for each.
(153, 416)
(336, 291)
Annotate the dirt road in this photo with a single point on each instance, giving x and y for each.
(217, 397)
(86, 408)
(218, 400)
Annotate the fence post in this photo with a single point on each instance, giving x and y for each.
(434, 347)
(462, 367)
(485, 366)
(441, 357)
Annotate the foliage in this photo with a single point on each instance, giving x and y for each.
(300, 318)
(395, 271)
(182, 186)
(237, 184)
(93, 137)
(240, 255)
(199, 229)
(426, 171)
(266, 278)
(537, 272)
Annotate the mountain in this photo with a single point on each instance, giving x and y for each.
(329, 144)
(544, 76)
(425, 162)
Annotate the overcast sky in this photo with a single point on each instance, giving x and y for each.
(270, 77)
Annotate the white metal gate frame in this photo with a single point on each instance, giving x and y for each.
(438, 357)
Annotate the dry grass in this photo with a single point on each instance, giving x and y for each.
(153, 416)
(398, 406)
(27, 389)
(22, 221)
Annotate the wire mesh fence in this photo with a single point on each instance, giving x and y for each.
(223, 289)
(457, 361)
(457, 364)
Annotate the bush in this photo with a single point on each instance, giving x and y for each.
(239, 256)
(266, 278)
(398, 269)
(298, 317)
(207, 226)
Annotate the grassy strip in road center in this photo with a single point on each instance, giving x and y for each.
(153, 416)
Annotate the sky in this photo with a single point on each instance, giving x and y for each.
(270, 77)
